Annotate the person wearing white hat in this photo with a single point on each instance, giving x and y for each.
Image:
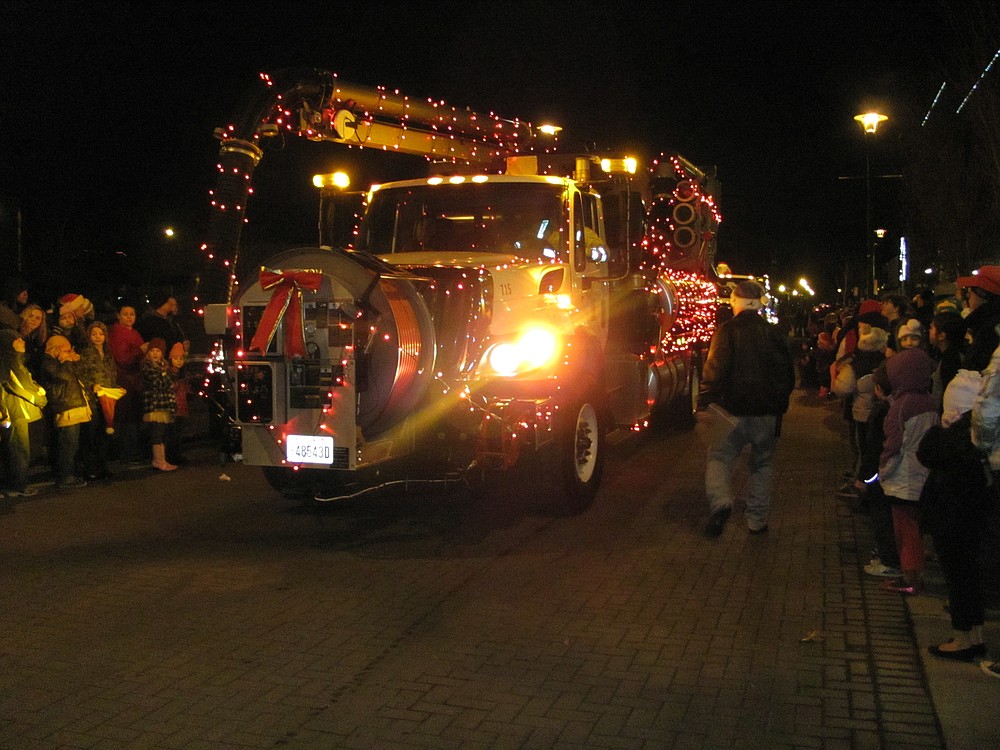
(749, 374)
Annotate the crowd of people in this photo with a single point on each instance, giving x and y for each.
(918, 382)
(79, 391)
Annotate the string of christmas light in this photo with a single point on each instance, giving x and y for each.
(680, 210)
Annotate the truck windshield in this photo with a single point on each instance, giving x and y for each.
(514, 218)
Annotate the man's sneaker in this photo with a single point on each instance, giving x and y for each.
(71, 483)
(877, 569)
(847, 493)
(26, 492)
(718, 521)
(992, 668)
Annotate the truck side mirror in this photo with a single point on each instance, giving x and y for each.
(595, 258)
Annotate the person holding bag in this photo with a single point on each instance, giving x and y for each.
(21, 401)
(69, 405)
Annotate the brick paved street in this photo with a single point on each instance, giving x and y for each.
(188, 611)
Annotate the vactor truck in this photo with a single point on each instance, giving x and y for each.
(502, 314)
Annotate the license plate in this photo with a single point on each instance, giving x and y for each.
(309, 449)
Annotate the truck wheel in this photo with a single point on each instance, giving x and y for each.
(303, 485)
(685, 410)
(280, 478)
(580, 454)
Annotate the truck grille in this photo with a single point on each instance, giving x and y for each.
(460, 302)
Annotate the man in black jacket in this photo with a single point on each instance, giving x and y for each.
(749, 374)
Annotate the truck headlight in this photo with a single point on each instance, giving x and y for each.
(535, 348)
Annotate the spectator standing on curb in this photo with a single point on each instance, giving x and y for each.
(15, 298)
(954, 503)
(885, 564)
(68, 404)
(912, 412)
(75, 313)
(99, 374)
(981, 297)
(160, 322)
(985, 432)
(923, 307)
(182, 389)
(749, 374)
(127, 347)
(894, 307)
(947, 337)
(159, 403)
(21, 401)
(34, 331)
(850, 385)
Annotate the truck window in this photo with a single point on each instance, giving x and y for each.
(514, 218)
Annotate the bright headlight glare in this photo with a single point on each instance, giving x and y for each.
(538, 347)
(504, 359)
(535, 348)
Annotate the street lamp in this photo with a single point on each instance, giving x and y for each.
(869, 122)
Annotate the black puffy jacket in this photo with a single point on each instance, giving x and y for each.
(62, 385)
(749, 370)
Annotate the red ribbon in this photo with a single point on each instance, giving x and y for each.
(286, 297)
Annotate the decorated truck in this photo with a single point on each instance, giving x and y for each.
(497, 317)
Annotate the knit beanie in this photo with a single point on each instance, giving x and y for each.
(747, 295)
(958, 396)
(177, 350)
(75, 304)
(948, 305)
(911, 327)
(158, 344)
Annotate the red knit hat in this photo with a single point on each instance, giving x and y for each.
(177, 350)
(158, 344)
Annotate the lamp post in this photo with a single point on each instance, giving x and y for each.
(869, 122)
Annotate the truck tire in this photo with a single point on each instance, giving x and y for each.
(685, 407)
(579, 452)
(285, 480)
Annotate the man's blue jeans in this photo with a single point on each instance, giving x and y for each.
(758, 433)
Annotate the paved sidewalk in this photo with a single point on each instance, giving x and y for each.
(963, 698)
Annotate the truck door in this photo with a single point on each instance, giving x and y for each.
(590, 262)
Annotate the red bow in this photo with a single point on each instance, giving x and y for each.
(287, 296)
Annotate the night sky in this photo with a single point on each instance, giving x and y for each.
(108, 108)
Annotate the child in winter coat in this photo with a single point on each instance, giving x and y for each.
(850, 385)
(98, 372)
(159, 403)
(912, 412)
(885, 564)
(182, 389)
(68, 404)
